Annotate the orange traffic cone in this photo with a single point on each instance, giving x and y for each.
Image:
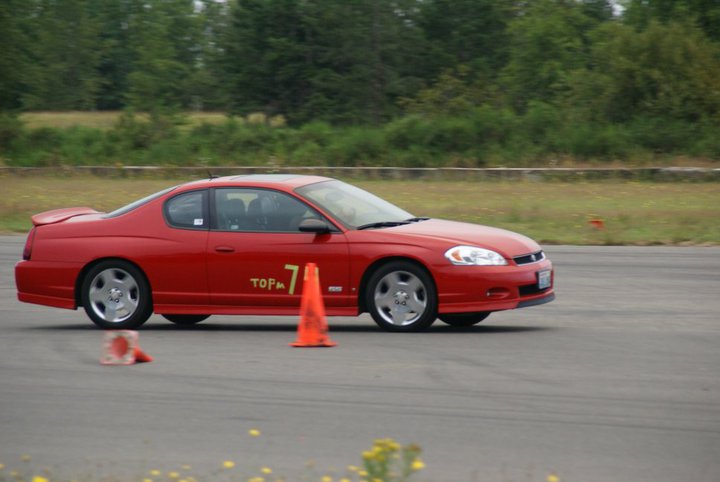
(312, 329)
(121, 348)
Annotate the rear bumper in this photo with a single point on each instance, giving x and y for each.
(46, 283)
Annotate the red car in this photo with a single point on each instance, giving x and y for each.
(238, 246)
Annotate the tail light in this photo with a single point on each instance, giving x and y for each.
(29, 244)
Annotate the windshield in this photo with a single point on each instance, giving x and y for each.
(351, 205)
(138, 203)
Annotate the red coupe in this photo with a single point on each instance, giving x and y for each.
(238, 246)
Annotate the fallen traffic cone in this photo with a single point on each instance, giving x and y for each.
(121, 348)
(312, 329)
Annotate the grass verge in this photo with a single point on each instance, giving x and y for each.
(633, 213)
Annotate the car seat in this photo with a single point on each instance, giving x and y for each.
(231, 214)
(261, 210)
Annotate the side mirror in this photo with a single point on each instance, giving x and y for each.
(312, 225)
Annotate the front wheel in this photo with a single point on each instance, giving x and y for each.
(401, 296)
(464, 319)
(186, 320)
(116, 295)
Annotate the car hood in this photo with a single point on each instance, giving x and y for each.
(454, 233)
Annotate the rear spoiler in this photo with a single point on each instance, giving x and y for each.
(60, 215)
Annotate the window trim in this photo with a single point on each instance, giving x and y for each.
(212, 204)
(205, 210)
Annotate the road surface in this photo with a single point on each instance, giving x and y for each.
(618, 379)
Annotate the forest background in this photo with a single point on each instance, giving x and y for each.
(415, 83)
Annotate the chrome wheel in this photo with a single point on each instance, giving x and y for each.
(114, 295)
(402, 297)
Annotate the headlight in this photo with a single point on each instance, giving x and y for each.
(474, 256)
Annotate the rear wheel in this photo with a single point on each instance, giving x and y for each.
(401, 296)
(116, 295)
(464, 319)
(186, 319)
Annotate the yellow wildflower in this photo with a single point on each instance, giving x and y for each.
(266, 470)
(553, 478)
(37, 478)
(418, 464)
(254, 432)
(326, 478)
(352, 468)
(25, 458)
(228, 464)
(173, 475)
(2, 466)
(345, 479)
(155, 473)
(147, 480)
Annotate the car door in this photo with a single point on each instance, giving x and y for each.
(173, 253)
(257, 254)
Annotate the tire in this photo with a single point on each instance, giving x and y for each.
(116, 295)
(464, 319)
(186, 320)
(401, 296)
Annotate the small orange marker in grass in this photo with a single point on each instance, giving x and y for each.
(597, 223)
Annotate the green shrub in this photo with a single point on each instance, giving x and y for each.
(452, 135)
(482, 136)
(408, 132)
(357, 146)
(11, 129)
(84, 146)
(662, 135)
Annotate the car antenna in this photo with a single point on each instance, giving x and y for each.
(211, 176)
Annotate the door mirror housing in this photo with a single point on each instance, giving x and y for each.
(312, 225)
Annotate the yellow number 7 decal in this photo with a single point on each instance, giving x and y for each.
(294, 268)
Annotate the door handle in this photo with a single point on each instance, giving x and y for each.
(224, 249)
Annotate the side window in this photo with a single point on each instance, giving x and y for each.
(187, 210)
(241, 209)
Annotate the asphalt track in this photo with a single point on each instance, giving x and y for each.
(618, 379)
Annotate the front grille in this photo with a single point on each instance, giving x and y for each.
(533, 289)
(529, 258)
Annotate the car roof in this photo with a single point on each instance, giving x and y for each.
(285, 182)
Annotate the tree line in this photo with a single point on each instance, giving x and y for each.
(587, 77)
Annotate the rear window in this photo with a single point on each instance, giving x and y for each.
(188, 210)
(138, 203)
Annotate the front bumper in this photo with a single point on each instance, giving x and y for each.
(467, 289)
